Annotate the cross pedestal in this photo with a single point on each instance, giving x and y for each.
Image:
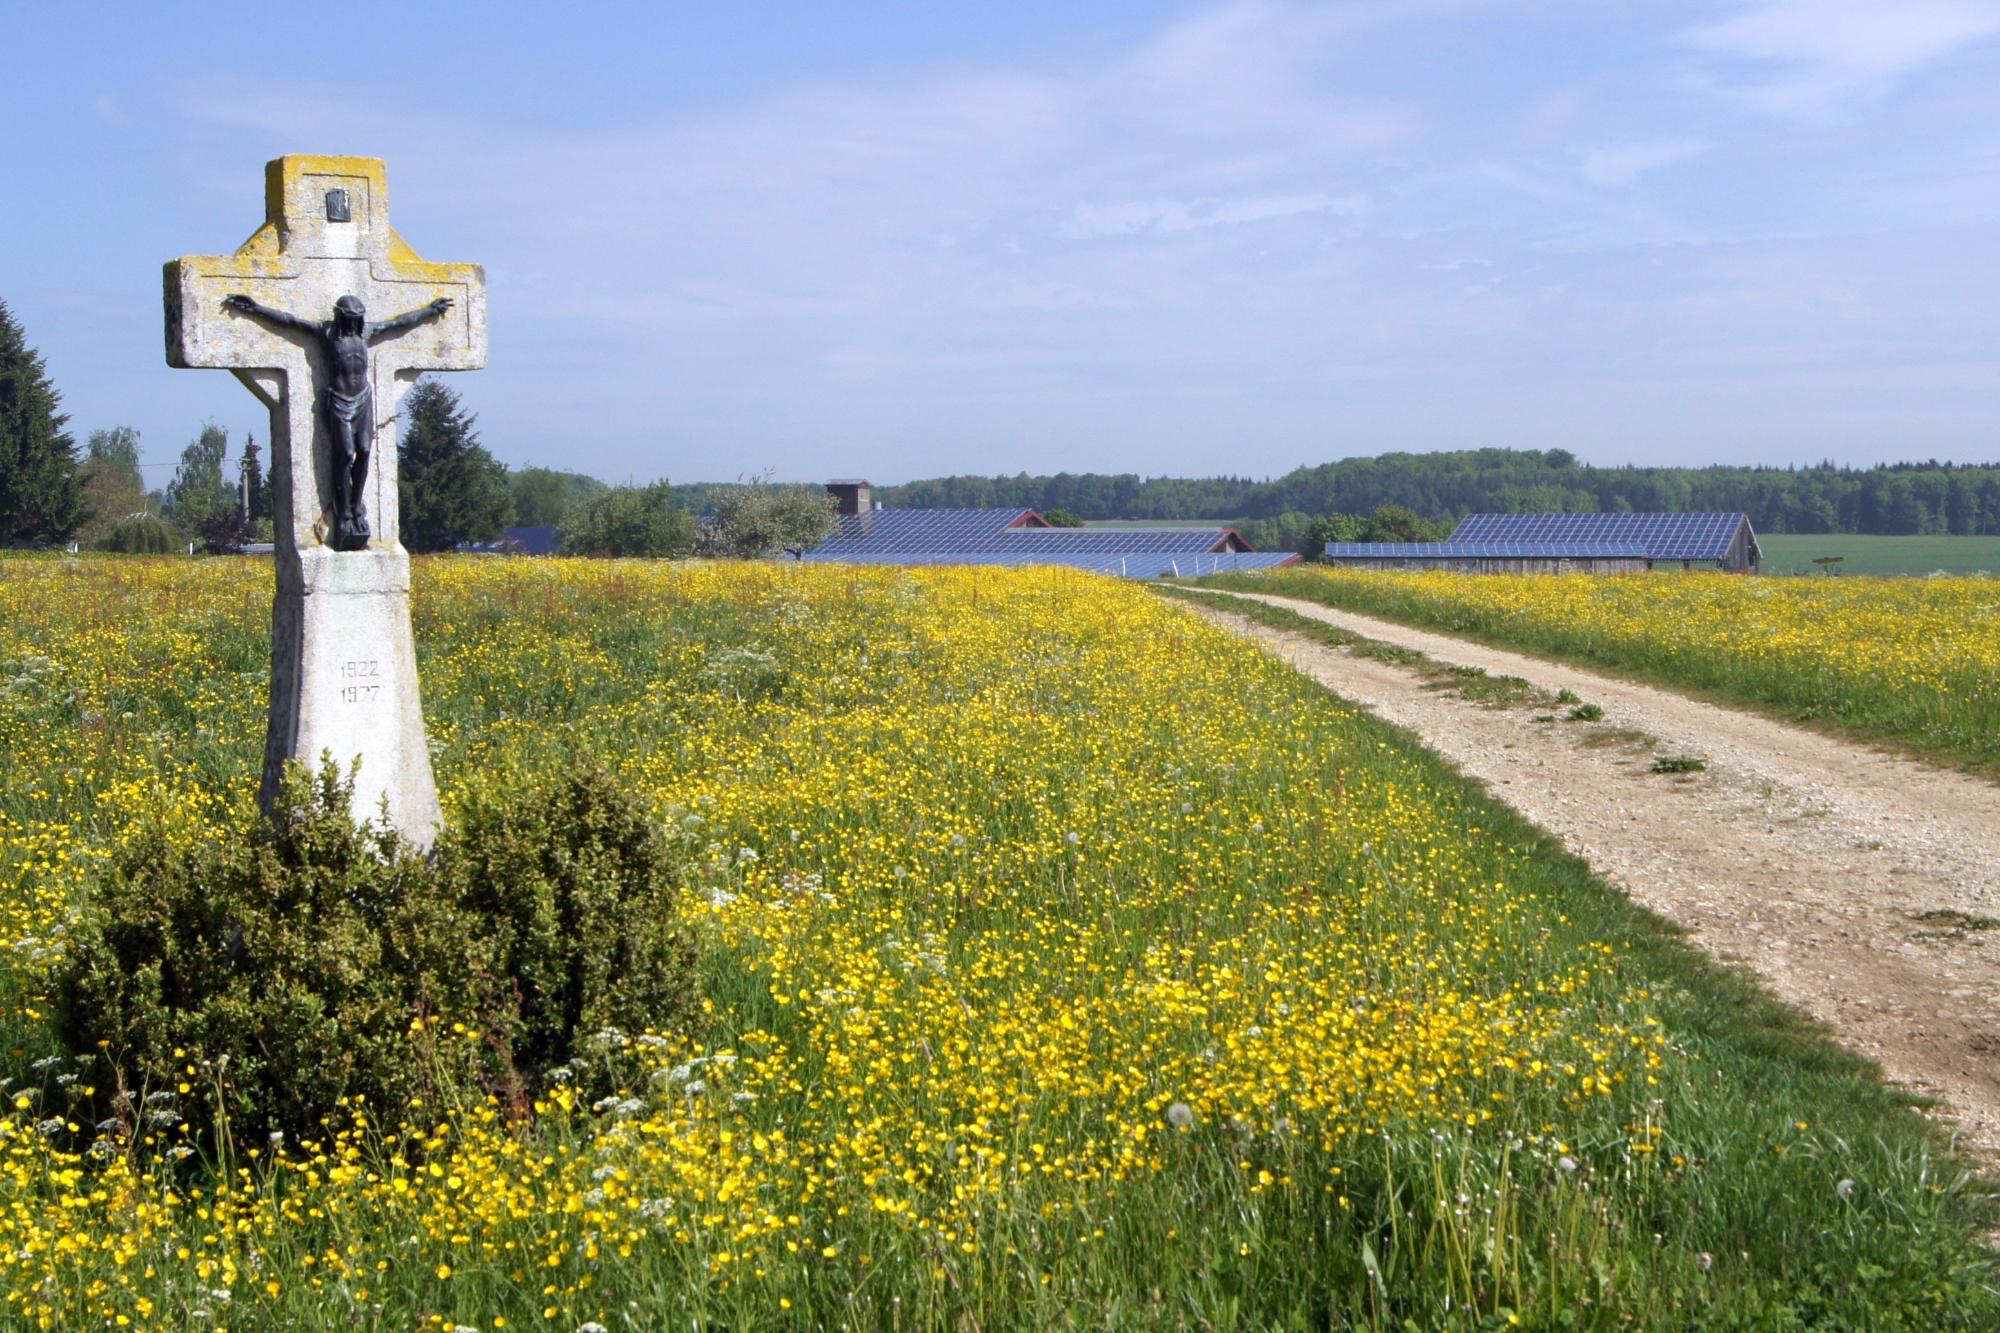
(343, 665)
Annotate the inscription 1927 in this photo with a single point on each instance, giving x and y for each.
(359, 674)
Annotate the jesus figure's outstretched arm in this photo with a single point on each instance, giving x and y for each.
(243, 305)
(409, 317)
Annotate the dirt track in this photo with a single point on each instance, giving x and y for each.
(1865, 887)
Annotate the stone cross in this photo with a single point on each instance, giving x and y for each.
(343, 668)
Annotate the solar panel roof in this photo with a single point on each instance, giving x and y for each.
(1112, 540)
(1486, 550)
(918, 530)
(1133, 564)
(1661, 536)
(895, 532)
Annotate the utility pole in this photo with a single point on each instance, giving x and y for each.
(244, 468)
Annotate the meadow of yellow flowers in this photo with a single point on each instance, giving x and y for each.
(1067, 963)
(1914, 660)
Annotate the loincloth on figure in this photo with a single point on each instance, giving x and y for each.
(356, 409)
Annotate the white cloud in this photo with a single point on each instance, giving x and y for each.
(1165, 216)
(1812, 57)
(1626, 163)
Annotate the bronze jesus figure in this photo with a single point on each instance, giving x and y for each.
(347, 405)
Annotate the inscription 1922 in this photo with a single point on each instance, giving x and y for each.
(359, 674)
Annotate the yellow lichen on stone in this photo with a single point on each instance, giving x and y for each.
(282, 173)
(266, 240)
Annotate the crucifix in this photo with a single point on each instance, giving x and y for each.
(287, 313)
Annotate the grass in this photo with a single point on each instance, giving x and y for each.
(1069, 965)
(1795, 553)
(1914, 663)
(1679, 763)
(1963, 921)
(1630, 738)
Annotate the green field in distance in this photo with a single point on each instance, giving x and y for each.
(1793, 552)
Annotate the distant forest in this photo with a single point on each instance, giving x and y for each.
(1896, 498)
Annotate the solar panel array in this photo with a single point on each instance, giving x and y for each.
(1099, 541)
(1661, 536)
(916, 531)
(1486, 550)
(1130, 564)
(991, 537)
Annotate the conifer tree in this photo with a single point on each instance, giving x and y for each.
(41, 496)
(452, 490)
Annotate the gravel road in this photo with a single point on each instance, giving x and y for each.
(1863, 886)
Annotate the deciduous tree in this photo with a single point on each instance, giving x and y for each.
(761, 519)
(198, 493)
(112, 485)
(542, 496)
(631, 521)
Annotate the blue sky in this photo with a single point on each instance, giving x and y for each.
(899, 240)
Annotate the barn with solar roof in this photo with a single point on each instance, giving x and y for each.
(866, 534)
(1569, 543)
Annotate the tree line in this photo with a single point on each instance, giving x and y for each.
(1908, 498)
(452, 492)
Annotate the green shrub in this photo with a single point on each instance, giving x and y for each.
(1679, 763)
(262, 978)
(576, 898)
(1586, 713)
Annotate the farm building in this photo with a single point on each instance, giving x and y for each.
(1568, 543)
(864, 533)
(1493, 557)
(518, 541)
